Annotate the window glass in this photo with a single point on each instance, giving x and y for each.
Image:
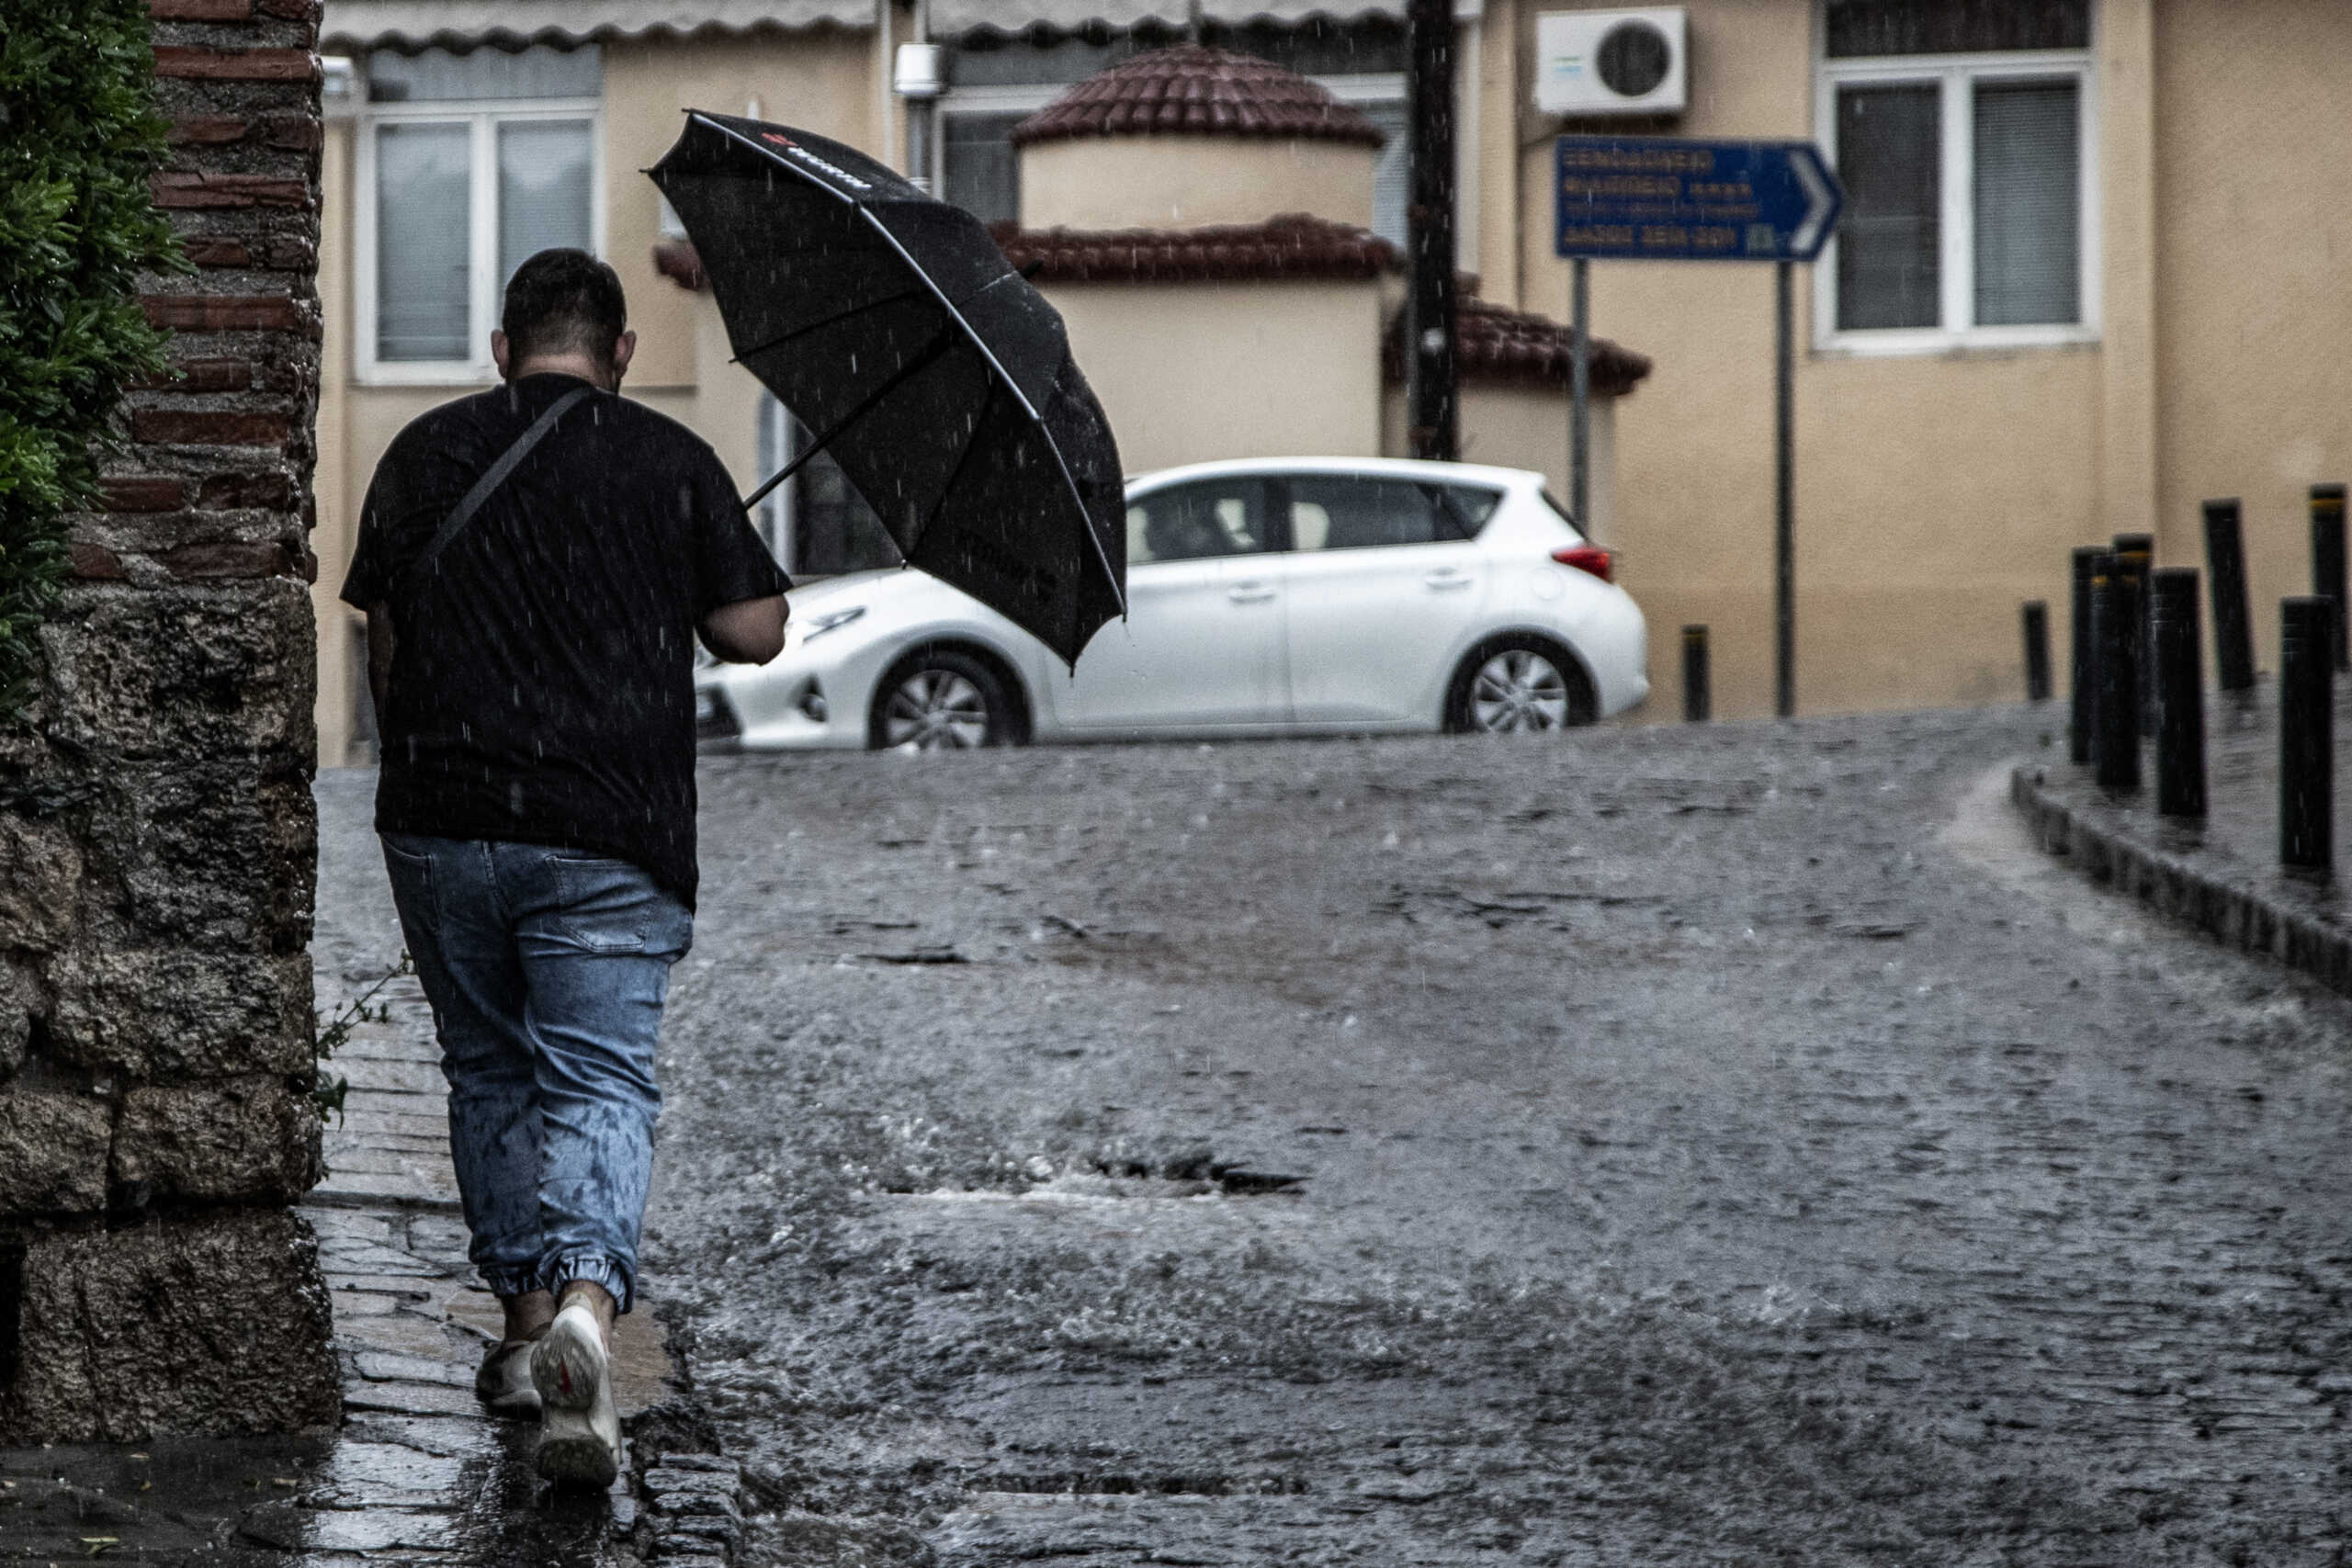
(1219, 517)
(542, 189)
(815, 524)
(2028, 221)
(423, 239)
(438, 76)
(977, 167)
(1392, 177)
(1889, 242)
(1861, 27)
(1340, 512)
(1472, 506)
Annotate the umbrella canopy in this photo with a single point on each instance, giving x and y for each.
(890, 324)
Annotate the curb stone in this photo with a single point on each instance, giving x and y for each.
(2232, 911)
(693, 1510)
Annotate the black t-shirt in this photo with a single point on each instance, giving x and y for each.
(542, 680)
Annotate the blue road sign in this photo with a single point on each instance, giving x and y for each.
(1662, 199)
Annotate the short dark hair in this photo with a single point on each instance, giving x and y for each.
(563, 301)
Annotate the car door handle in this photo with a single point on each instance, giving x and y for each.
(1249, 594)
(1448, 579)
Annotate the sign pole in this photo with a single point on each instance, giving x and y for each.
(1667, 198)
(1580, 396)
(1784, 520)
(1432, 405)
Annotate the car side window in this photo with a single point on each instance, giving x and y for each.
(1195, 521)
(1345, 511)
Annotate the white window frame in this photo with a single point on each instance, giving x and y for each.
(484, 116)
(1956, 75)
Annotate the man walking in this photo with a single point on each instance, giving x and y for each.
(534, 562)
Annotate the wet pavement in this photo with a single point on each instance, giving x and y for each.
(2225, 866)
(1705, 1145)
(1676, 1145)
(416, 1474)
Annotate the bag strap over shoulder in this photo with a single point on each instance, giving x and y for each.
(494, 476)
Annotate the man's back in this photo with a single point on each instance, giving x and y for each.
(541, 689)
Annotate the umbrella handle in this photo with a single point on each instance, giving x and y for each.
(931, 351)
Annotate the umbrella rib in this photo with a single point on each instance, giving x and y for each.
(956, 319)
(931, 351)
(834, 320)
(972, 444)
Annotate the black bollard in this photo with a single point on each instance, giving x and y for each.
(2135, 555)
(2327, 559)
(2115, 624)
(1695, 694)
(2180, 693)
(2037, 651)
(2233, 622)
(2306, 733)
(2084, 692)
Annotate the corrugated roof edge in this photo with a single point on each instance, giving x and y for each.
(461, 25)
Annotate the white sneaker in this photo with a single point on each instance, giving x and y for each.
(503, 1383)
(579, 1432)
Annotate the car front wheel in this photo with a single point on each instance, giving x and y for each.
(1516, 686)
(941, 700)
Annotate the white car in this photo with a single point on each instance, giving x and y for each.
(1292, 595)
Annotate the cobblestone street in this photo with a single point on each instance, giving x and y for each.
(1686, 1145)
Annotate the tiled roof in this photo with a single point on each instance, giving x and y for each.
(1292, 246)
(1192, 91)
(1493, 344)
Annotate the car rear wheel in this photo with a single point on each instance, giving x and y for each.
(941, 700)
(1518, 685)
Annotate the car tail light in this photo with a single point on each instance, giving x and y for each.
(1589, 557)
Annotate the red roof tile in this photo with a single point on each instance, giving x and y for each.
(1499, 345)
(1193, 91)
(1493, 344)
(1292, 246)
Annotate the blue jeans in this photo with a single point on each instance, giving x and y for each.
(546, 970)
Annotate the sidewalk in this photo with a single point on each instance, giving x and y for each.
(417, 1474)
(2221, 875)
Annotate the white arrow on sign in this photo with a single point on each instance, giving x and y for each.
(1819, 204)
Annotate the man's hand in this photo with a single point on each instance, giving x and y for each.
(748, 632)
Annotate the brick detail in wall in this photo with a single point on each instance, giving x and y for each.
(186, 428)
(231, 312)
(237, 64)
(229, 190)
(157, 837)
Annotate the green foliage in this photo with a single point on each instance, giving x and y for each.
(330, 1031)
(79, 135)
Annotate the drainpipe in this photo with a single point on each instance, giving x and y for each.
(1432, 406)
(919, 79)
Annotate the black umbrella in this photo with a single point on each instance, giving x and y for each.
(939, 380)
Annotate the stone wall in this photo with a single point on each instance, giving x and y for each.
(157, 840)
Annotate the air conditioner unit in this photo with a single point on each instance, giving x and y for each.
(1612, 62)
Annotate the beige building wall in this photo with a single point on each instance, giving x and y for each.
(340, 674)
(1191, 182)
(1192, 371)
(1526, 427)
(1934, 493)
(2254, 355)
(825, 80)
